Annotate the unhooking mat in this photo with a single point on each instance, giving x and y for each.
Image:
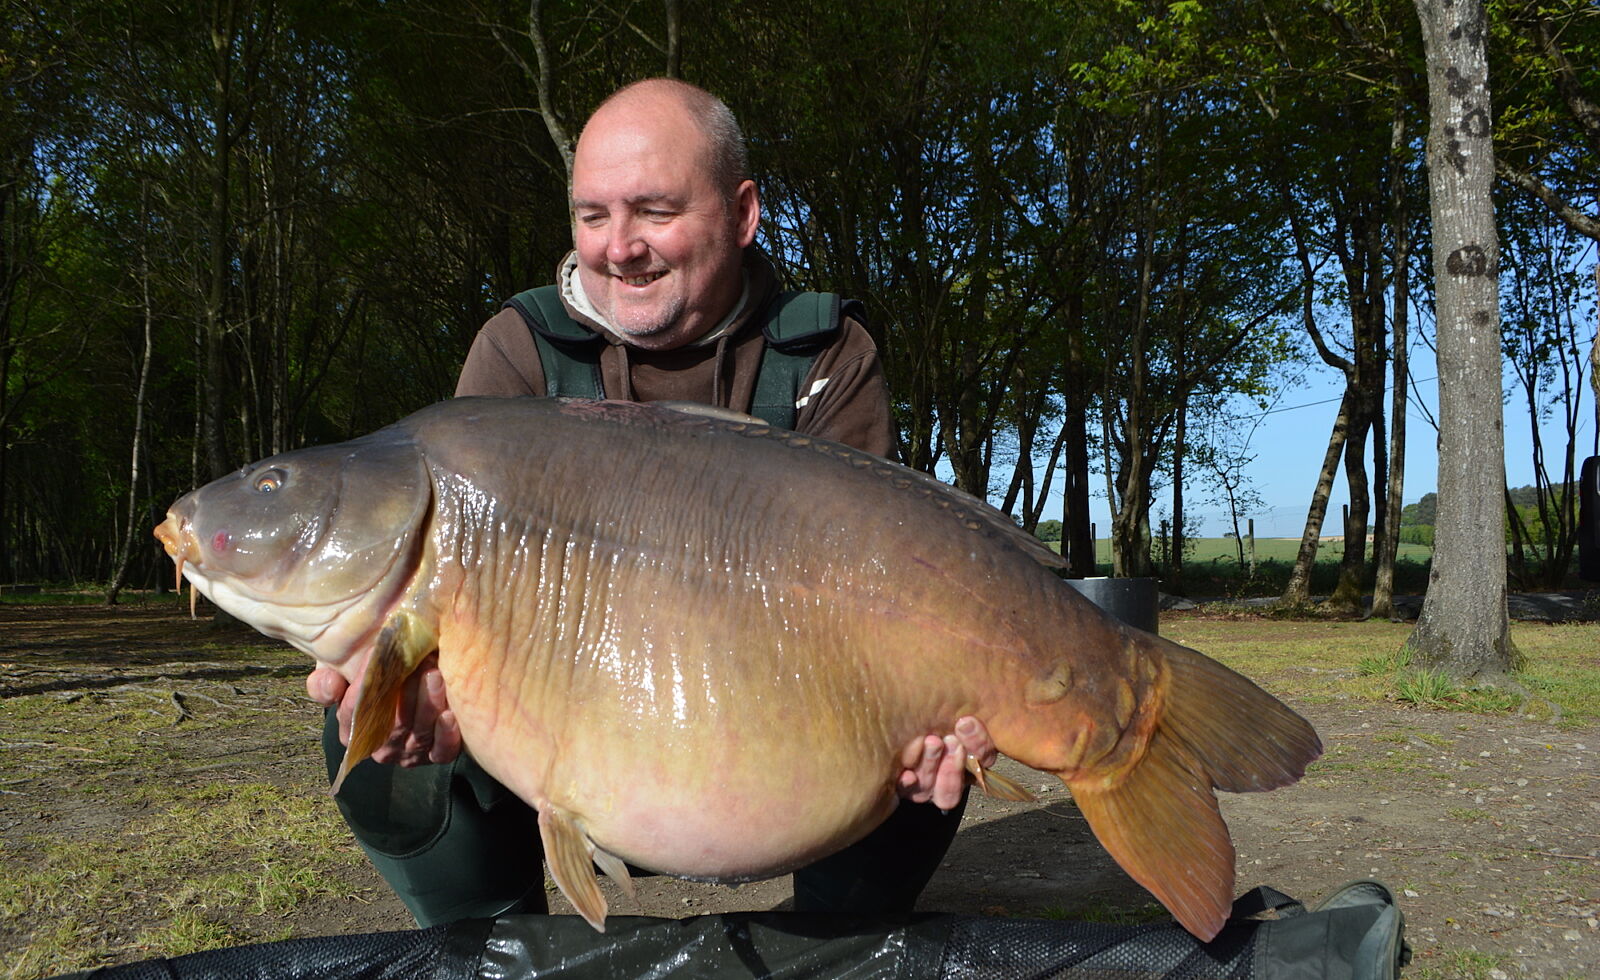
(1358, 933)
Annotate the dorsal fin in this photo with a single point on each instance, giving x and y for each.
(709, 411)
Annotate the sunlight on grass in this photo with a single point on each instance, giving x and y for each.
(281, 849)
(188, 932)
(1332, 661)
(1463, 964)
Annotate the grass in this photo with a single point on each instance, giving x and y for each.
(283, 848)
(1206, 550)
(1461, 964)
(1324, 661)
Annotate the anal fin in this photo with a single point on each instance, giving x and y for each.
(568, 850)
(616, 869)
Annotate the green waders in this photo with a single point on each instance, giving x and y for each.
(455, 844)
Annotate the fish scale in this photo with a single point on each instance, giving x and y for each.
(699, 645)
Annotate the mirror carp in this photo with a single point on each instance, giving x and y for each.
(699, 644)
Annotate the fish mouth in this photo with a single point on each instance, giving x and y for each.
(177, 537)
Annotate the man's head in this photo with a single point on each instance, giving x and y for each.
(662, 210)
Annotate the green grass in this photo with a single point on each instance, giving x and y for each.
(1107, 912)
(1324, 661)
(1464, 964)
(282, 848)
(1203, 550)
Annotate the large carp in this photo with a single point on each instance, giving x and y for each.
(699, 645)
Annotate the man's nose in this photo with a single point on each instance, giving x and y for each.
(623, 243)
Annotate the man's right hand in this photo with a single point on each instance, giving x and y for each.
(424, 730)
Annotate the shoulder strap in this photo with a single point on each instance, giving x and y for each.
(569, 352)
(798, 326)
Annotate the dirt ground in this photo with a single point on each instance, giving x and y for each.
(1487, 827)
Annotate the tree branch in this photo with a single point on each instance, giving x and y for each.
(552, 120)
(1586, 225)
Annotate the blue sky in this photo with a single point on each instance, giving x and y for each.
(1290, 441)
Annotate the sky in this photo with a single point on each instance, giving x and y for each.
(1291, 439)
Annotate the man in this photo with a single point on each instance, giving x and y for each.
(664, 297)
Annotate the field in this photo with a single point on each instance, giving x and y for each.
(163, 793)
(1224, 551)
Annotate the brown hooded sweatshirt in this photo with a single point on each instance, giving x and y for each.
(843, 398)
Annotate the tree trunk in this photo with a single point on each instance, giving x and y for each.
(219, 208)
(1388, 544)
(1464, 629)
(1346, 597)
(119, 575)
(1298, 591)
(1180, 437)
(1077, 531)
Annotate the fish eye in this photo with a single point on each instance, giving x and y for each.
(270, 481)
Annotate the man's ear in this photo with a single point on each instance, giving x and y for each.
(746, 211)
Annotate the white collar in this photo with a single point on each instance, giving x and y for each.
(572, 291)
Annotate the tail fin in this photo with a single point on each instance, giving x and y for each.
(1160, 820)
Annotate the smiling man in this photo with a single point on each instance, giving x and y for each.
(661, 216)
(663, 297)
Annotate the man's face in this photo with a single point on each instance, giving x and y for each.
(659, 245)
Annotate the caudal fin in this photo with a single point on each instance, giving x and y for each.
(1160, 819)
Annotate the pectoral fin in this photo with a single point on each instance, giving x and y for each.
(402, 644)
(996, 785)
(568, 850)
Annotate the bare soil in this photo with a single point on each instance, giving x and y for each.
(1487, 826)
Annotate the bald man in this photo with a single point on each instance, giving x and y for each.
(663, 297)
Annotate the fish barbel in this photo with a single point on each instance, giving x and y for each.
(699, 645)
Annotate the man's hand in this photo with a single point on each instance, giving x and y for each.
(424, 728)
(936, 768)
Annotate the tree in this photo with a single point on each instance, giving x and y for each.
(1342, 116)
(1547, 143)
(1544, 304)
(1464, 629)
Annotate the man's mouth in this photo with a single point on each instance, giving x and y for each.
(643, 280)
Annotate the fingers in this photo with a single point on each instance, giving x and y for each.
(951, 778)
(935, 769)
(975, 739)
(424, 729)
(326, 686)
(446, 740)
(921, 759)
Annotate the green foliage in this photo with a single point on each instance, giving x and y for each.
(315, 208)
(1417, 534)
(1424, 511)
(1048, 530)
